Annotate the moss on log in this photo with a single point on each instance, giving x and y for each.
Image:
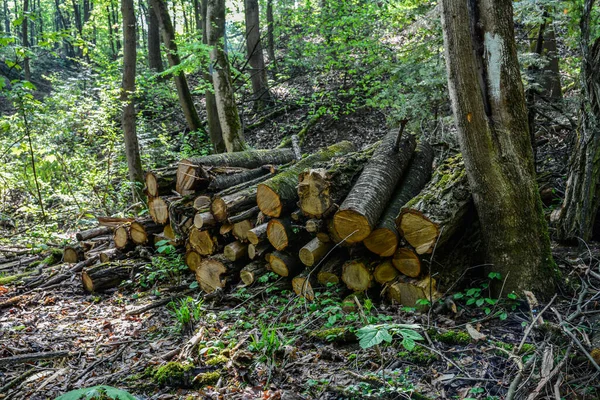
(222, 182)
(326, 184)
(437, 211)
(280, 191)
(190, 171)
(365, 203)
(383, 241)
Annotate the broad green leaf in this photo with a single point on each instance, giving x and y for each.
(97, 392)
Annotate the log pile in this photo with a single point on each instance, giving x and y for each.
(364, 219)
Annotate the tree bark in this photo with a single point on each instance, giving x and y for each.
(132, 149)
(582, 197)
(491, 117)
(280, 191)
(154, 56)
(258, 73)
(25, 38)
(105, 276)
(183, 90)
(383, 241)
(251, 272)
(271, 35)
(363, 206)
(229, 118)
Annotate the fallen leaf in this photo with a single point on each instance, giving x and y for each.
(474, 333)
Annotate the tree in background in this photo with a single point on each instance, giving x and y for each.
(489, 109)
(132, 150)
(582, 197)
(258, 73)
(183, 90)
(229, 117)
(154, 56)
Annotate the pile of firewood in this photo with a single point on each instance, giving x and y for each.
(338, 215)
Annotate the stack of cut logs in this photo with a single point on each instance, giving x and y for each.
(338, 215)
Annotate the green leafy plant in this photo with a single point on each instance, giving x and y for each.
(480, 297)
(186, 311)
(373, 335)
(101, 392)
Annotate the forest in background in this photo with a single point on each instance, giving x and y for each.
(96, 94)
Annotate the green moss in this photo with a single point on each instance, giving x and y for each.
(171, 372)
(220, 359)
(53, 258)
(207, 378)
(450, 337)
(13, 278)
(337, 335)
(419, 355)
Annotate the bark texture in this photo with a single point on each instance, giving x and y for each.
(368, 198)
(489, 108)
(258, 73)
(229, 118)
(154, 57)
(582, 197)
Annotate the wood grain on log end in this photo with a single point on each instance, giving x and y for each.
(192, 260)
(278, 234)
(314, 251)
(385, 272)
(268, 201)
(418, 231)
(357, 275)
(209, 273)
(406, 261)
(158, 210)
(382, 242)
(351, 226)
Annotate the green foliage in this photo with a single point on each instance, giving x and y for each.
(373, 335)
(480, 297)
(102, 392)
(186, 311)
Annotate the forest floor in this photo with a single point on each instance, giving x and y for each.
(265, 342)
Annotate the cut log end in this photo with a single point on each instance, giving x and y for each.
(284, 264)
(357, 275)
(158, 210)
(209, 275)
(151, 185)
(351, 226)
(313, 252)
(138, 233)
(302, 287)
(385, 272)
(192, 260)
(382, 242)
(419, 231)
(121, 237)
(251, 272)
(409, 291)
(218, 208)
(202, 242)
(268, 201)
(186, 177)
(277, 234)
(407, 262)
(235, 251)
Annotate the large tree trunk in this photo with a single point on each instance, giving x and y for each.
(183, 91)
(365, 203)
(258, 73)
(489, 108)
(229, 118)
(132, 150)
(582, 197)
(154, 58)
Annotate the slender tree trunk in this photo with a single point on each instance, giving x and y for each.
(551, 81)
(154, 56)
(6, 17)
(271, 35)
(489, 108)
(258, 73)
(115, 21)
(186, 25)
(111, 35)
(231, 125)
(183, 91)
(582, 197)
(132, 150)
(24, 27)
(197, 15)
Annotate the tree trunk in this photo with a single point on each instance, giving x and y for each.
(363, 206)
(132, 149)
(225, 181)
(280, 191)
(25, 38)
(183, 90)
(489, 108)
(105, 276)
(229, 118)
(383, 241)
(582, 197)
(258, 73)
(154, 56)
(271, 35)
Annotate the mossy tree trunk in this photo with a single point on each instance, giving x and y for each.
(229, 118)
(582, 197)
(489, 108)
